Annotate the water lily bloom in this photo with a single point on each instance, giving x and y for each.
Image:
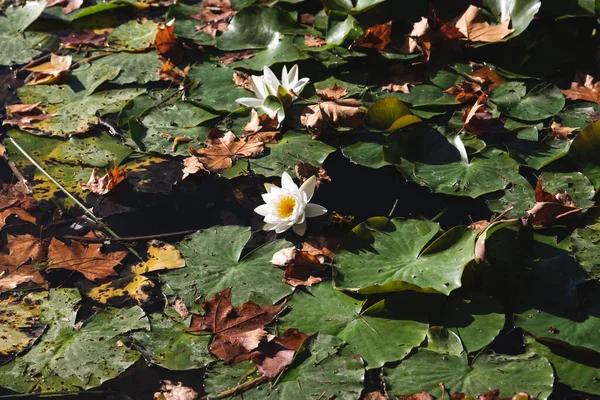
(288, 206)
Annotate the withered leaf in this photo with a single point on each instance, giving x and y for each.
(301, 267)
(473, 25)
(233, 56)
(167, 44)
(415, 396)
(85, 39)
(561, 132)
(332, 93)
(71, 5)
(584, 87)
(242, 79)
(273, 357)
(57, 70)
(412, 42)
(486, 77)
(13, 269)
(84, 258)
(103, 184)
(305, 170)
(169, 73)
(344, 113)
(25, 115)
(313, 41)
(550, 208)
(15, 200)
(471, 111)
(465, 91)
(175, 391)
(238, 331)
(376, 37)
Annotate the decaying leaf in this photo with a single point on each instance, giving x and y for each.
(222, 149)
(465, 91)
(103, 184)
(471, 111)
(242, 79)
(402, 79)
(174, 391)
(274, 356)
(84, 258)
(175, 139)
(473, 25)
(179, 306)
(313, 41)
(85, 39)
(216, 15)
(550, 209)
(170, 73)
(237, 331)
(161, 256)
(15, 267)
(69, 7)
(134, 289)
(167, 44)
(233, 56)
(486, 77)
(584, 87)
(25, 115)
(416, 396)
(561, 132)
(15, 200)
(332, 93)
(301, 267)
(412, 42)
(261, 127)
(376, 37)
(424, 37)
(345, 113)
(57, 70)
(305, 170)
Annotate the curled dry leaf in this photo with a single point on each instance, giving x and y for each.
(561, 132)
(473, 25)
(402, 79)
(273, 357)
(550, 209)
(486, 77)
(416, 396)
(233, 56)
(25, 115)
(85, 39)
(465, 91)
(242, 79)
(237, 331)
(301, 267)
(15, 200)
(103, 184)
(167, 44)
(179, 306)
(57, 70)
(15, 267)
(376, 37)
(305, 170)
(216, 15)
(175, 139)
(313, 41)
(584, 87)
(84, 258)
(261, 127)
(412, 42)
(170, 73)
(346, 113)
(471, 111)
(69, 7)
(175, 391)
(332, 93)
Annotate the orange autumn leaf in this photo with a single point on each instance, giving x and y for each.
(15, 200)
(15, 267)
(167, 44)
(473, 25)
(376, 37)
(57, 70)
(170, 74)
(103, 184)
(584, 87)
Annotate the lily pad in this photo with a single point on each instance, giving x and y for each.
(19, 324)
(585, 149)
(216, 88)
(388, 115)
(543, 101)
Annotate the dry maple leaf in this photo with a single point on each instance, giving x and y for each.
(376, 37)
(261, 128)
(223, 148)
(57, 70)
(550, 208)
(471, 111)
(465, 91)
(237, 331)
(84, 258)
(167, 44)
(242, 79)
(402, 78)
(486, 77)
(583, 87)
(376, 395)
(411, 44)
(85, 39)
(332, 93)
(233, 56)
(561, 132)
(473, 25)
(13, 271)
(217, 16)
(307, 19)
(170, 74)
(71, 5)
(305, 170)
(175, 391)
(15, 200)
(344, 113)
(313, 41)
(25, 115)
(415, 396)
(103, 184)
(273, 357)
(301, 267)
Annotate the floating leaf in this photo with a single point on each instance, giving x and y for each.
(388, 115)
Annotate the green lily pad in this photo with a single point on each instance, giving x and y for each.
(341, 27)
(585, 244)
(367, 154)
(133, 35)
(281, 50)
(521, 12)
(69, 357)
(134, 67)
(216, 88)
(424, 371)
(427, 96)
(543, 101)
(351, 7)
(578, 115)
(536, 153)
(585, 149)
(388, 115)
(382, 255)
(213, 263)
(444, 341)
(19, 325)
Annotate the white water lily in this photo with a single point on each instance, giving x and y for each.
(268, 85)
(288, 206)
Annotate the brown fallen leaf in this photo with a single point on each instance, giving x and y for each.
(16, 200)
(263, 127)
(273, 357)
(175, 139)
(584, 87)
(307, 19)
(301, 267)
(561, 132)
(313, 41)
(213, 28)
(412, 42)
(179, 306)
(332, 93)
(174, 391)
(192, 166)
(550, 208)
(237, 331)
(473, 25)
(465, 91)
(25, 115)
(222, 149)
(486, 77)
(415, 396)
(242, 79)
(425, 37)
(305, 170)
(216, 15)
(103, 184)
(376, 395)
(84, 258)
(471, 111)
(233, 56)
(71, 5)
(402, 78)
(85, 39)
(57, 70)
(13, 269)
(346, 113)
(376, 37)
(169, 73)
(166, 43)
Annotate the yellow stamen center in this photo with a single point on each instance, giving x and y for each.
(285, 206)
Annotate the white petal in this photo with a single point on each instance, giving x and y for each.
(250, 102)
(267, 197)
(269, 187)
(302, 218)
(285, 82)
(300, 229)
(308, 187)
(293, 75)
(281, 228)
(271, 219)
(258, 86)
(314, 210)
(263, 210)
(287, 182)
(269, 227)
(271, 81)
(298, 86)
